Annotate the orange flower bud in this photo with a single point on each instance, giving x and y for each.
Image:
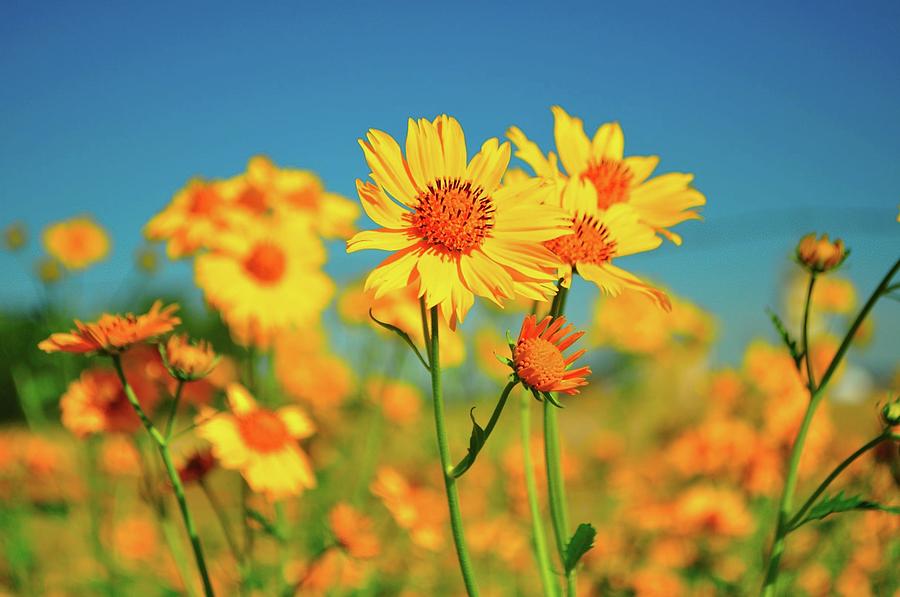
(820, 254)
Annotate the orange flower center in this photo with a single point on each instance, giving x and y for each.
(589, 244)
(611, 178)
(266, 262)
(263, 431)
(204, 201)
(453, 215)
(252, 199)
(539, 363)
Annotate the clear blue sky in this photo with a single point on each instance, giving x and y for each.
(788, 116)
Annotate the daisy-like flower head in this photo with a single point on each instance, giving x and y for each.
(76, 243)
(266, 278)
(96, 403)
(260, 443)
(538, 359)
(455, 232)
(186, 360)
(113, 334)
(661, 202)
(600, 236)
(821, 255)
(353, 532)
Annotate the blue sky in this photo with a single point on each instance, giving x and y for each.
(787, 115)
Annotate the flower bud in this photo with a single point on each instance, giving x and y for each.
(186, 360)
(48, 270)
(15, 236)
(820, 255)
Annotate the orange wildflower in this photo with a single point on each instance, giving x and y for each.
(260, 443)
(186, 360)
(197, 466)
(419, 510)
(113, 334)
(400, 401)
(538, 358)
(96, 403)
(76, 243)
(310, 372)
(820, 255)
(353, 532)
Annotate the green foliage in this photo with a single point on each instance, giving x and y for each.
(404, 336)
(476, 442)
(838, 503)
(581, 542)
(786, 337)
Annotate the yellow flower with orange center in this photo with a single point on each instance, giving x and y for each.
(598, 237)
(260, 443)
(333, 215)
(186, 360)
(455, 232)
(266, 278)
(820, 255)
(113, 334)
(661, 202)
(538, 360)
(76, 243)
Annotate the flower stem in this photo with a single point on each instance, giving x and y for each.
(816, 392)
(810, 378)
(556, 488)
(539, 540)
(463, 465)
(174, 478)
(176, 400)
(456, 524)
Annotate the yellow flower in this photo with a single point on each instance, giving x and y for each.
(599, 237)
(333, 215)
(661, 202)
(454, 231)
(76, 243)
(266, 278)
(261, 444)
(15, 236)
(820, 254)
(113, 334)
(48, 270)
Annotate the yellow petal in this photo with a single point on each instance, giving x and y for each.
(572, 144)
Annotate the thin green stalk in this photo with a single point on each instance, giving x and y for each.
(810, 378)
(463, 465)
(816, 391)
(456, 523)
(884, 436)
(172, 472)
(174, 543)
(170, 423)
(283, 542)
(219, 511)
(96, 492)
(539, 539)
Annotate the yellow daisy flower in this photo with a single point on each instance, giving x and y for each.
(598, 237)
(261, 444)
(266, 278)
(454, 231)
(76, 243)
(661, 202)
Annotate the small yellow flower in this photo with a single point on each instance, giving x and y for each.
(820, 255)
(186, 360)
(15, 236)
(48, 270)
(147, 260)
(77, 243)
(261, 444)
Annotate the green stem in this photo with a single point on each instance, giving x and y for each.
(172, 472)
(782, 527)
(96, 492)
(556, 488)
(884, 436)
(175, 546)
(219, 511)
(539, 540)
(283, 542)
(456, 523)
(463, 465)
(810, 379)
(170, 422)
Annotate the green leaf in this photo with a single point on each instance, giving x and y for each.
(552, 399)
(839, 503)
(403, 335)
(789, 342)
(267, 526)
(510, 341)
(476, 442)
(580, 543)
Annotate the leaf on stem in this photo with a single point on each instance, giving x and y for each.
(789, 342)
(580, 543)
(404, 336)
(838, 503)
(267, 526)
(552, 399)
(476, 442)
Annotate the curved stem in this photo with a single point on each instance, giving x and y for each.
(884, 436)
(463, 465)
(539, 539)
(810, 379)
(456, 524)
(172, 472)
(170, 422)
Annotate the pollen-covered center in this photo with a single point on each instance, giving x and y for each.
(590, 242)
(453, 214)
(611, 178)
(263, 431)
(539, 363)
(266, 262)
